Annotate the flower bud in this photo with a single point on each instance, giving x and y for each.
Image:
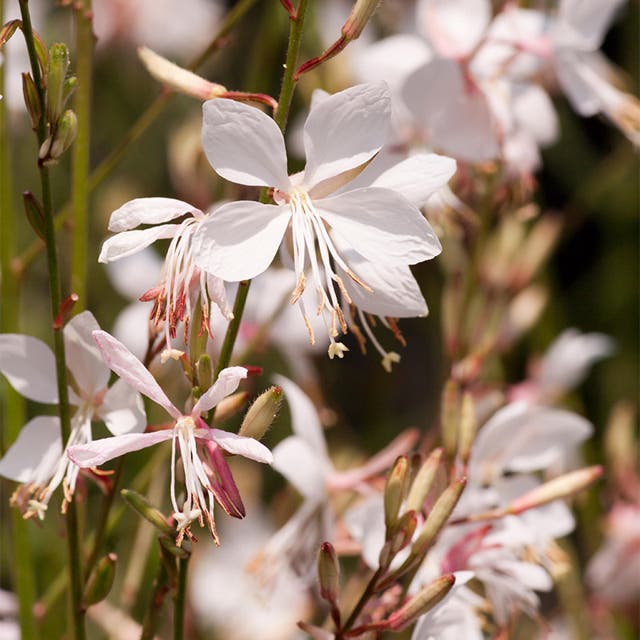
(438, 517)
(423, 481)
(31, 99)
(70, 85)
(34, 212)
(56, 76)
(360, 15)
(229, 406)
(7, 30)
(140, 504)
(395, 491)
(418, 605)
(560, 487)
(404, 530)
(204, 371)
(100, 581)
(328, 572)
(450, 419)
(261, 413)
(533, 253)
(468, 427)
(64, 136)
(177, 78)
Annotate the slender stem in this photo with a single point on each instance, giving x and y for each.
(178, 620)
(137, 129)
(152, 616)
(284, 104)
(73, 544)
(80, 172)
(364, 598)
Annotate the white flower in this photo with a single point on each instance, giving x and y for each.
(206, 473)
(342, 134)
(36, 458)
(181, 278)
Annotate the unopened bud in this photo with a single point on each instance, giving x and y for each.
(42, 54)
(140, 504)
(204, 371)
(328, 572)
(7, 30)
(360, 15)
(423, 481)
(31, 99)
(522, 313)
(427, 598)
(533, 253)
(229, 406)
(468, 427)
(56, 76)
(450, 419)
(261, 414)
(70, 85)
(438, 517)
(35, 213)
(395, 491)
(560, 487)
(177, 78)
(619, 442)
(100, 581)
(64, 136)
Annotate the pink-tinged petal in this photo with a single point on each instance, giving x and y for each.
(127, 243)
(239, 445)
(296, 460)
(381, 225)
(122, 409)
(396, 293)
(240, 240)
(345, 130)
(35, 452)
(29, 366)
(454, 27)
(304, 417)
(582, 24)
(226, 383)
(84, 361)
(149, 211)
(244, 145)
(222, 483)
(418, 177)
(100, 451)
(120, 360)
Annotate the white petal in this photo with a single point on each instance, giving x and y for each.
(37, 447)
(146, 265)
(148, 211)
(381, 225)
(244, 145)
(454, 27)
(29, 366)
(297, 461)
(84, 361)
(218, 294)
(240, 239)
(583, 23)
(122, 409)
(365, 523)
(345, 130)
(100, 451)
(226, 383)
(130, 369)
(127, 243)
(534, 111)
(241, 446)
(304, 417)
(396, 293)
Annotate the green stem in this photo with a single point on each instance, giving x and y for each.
(152, 616)
(178, 619)
(73, 544)
(364, 598)
(145, 120)
(284, 104)
(80, 172)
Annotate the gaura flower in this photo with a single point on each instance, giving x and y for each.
(319, 206)
(181, 279)
(207, 475)
(36, 458)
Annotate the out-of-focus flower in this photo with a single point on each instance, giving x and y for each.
(377, 223)
(36, 458)
(206, 473)
(613, 573)
(181, 279)
(229, 595)
(9, 626)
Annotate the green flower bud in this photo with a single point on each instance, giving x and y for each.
(64, 136)
(56, 76)
(31, 99)
(140, 504)
(100, 581)
(328, 572)
(35, 213)
(423, 481)
(395, 491)
(261, 413)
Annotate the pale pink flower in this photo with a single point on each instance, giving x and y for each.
(379, 225)
(36, 458)
(206, 473)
